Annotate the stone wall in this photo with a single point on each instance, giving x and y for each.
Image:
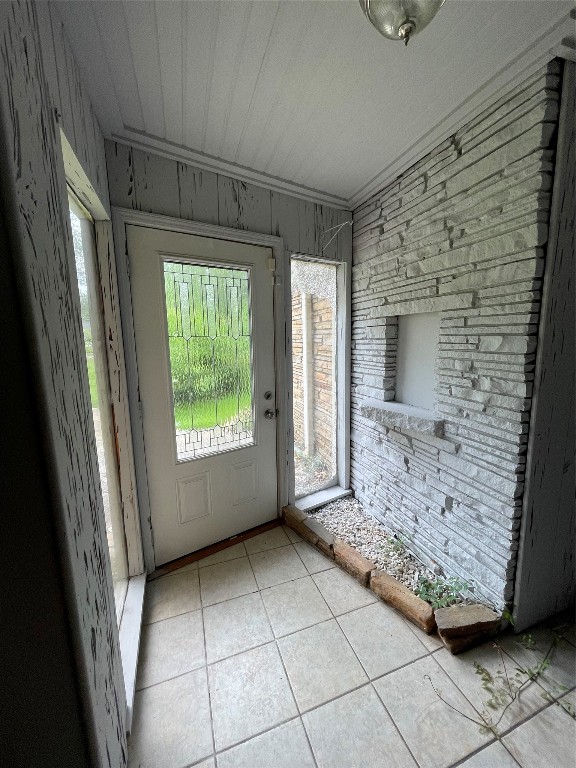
(463, 232)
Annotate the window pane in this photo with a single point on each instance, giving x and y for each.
(208, 320)
(98, 381)
(314, 375)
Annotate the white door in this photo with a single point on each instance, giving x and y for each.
(203, 319)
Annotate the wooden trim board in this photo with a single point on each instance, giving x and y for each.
(174, 565)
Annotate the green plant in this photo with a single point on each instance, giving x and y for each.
(441, 593)
(506, 684)
(400, 543)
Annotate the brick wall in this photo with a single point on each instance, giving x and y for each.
(462, 232)
(323, 382)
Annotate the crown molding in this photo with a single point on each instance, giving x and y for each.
(148, 143)
(556, 41)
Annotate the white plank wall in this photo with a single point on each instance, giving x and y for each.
(34, 179)
(76, 114)
(546, 580)
(147, 182)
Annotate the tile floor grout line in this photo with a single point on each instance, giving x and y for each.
(208, 686)
(396, 727)
(478, 751)
(279, 651)
(256, 736)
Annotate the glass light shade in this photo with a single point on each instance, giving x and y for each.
(400, 19)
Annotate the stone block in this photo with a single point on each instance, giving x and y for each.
(464, 626)
(464, 620)
(297, 520)
(325, 542)
(353, 562)
(403, 600)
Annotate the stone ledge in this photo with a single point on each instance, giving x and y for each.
(397, 595)
(383, 585)
(403, 417)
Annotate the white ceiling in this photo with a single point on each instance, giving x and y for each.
(300, 95)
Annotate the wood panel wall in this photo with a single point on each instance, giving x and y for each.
(546, 581)
(34, 195)
(74, 110)
(147, 182)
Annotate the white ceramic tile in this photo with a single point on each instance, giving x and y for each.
(313, 560)
(355, 730)
(171, 725)
(292, 535)
(461, 670)
(561, 674)
(210, 763)
(381, 639)
(267, 540)
(230, 553)
(432, 642)
(342, 592)
(295, 605)
(548, 739)
(321, 664)
(493, 756)
(225, 581)
(436, 735)
(169, 648)
(275, 566)
(283, 747)
(171, 595)
(234, 626)
(249, 694)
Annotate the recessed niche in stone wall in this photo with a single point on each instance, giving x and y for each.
(416, 359)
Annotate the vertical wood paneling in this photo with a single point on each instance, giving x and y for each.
(546, 571)
(152, 183)
(120, 164)
(254, 208)
(68, 96)
(156, 184)
(307, 228)
(34, 180)
(198, 194)
(286, 220)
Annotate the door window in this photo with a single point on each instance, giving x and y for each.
(209, 342)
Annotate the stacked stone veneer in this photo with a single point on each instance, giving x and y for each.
(463, 232)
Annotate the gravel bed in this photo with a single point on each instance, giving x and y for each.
(347, 519)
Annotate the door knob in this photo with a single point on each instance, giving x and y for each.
(269, 414)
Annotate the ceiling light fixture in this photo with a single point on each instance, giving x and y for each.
(400, 19)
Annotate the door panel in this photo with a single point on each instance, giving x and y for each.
(203, 320)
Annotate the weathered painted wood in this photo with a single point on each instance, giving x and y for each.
(285, 212)
(69, 98)
(119, 395)
(307, 243)
(156, 184)
(40, 231)
(254, 208)
(120, 164)
(546, 581)
(198, 194)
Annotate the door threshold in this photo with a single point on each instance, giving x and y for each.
(318, 499)
(180, 562)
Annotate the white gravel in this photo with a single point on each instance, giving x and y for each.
(347, 519)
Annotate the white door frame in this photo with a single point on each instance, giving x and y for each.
(121, 218)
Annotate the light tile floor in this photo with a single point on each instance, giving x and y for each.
(266, 655)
